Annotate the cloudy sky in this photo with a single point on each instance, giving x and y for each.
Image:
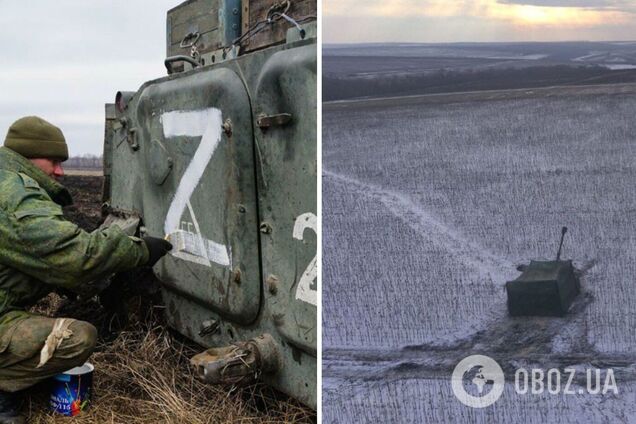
(353, 21)
(63, 59)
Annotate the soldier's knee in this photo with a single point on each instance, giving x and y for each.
(84, 335)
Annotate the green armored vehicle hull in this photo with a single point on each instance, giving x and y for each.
(220, 157)
(545, 288)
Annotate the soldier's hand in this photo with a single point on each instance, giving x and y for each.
(157, 247)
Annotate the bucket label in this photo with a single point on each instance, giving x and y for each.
(72, 396)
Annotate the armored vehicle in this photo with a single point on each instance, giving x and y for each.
(544, 288)
(219, 156)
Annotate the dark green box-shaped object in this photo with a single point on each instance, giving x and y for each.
(545, 288)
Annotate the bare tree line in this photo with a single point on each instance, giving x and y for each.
(336, 87)
(85, 161)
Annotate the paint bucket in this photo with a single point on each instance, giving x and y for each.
(71, 392)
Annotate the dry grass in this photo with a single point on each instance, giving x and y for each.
(143, 377)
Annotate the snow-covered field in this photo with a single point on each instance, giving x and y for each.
(428, 206)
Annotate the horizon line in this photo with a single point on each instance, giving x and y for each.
(471, 42)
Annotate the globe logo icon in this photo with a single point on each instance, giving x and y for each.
(480, 380)
(477, 381)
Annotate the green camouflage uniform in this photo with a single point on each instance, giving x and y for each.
(40, 249)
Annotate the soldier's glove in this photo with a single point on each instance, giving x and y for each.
(157, 247)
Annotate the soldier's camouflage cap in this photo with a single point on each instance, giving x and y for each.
(33, 137)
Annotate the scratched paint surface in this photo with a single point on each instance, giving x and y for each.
(429, 207)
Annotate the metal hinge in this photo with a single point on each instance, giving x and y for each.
(278, 120)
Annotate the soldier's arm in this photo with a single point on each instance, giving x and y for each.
(43, 244)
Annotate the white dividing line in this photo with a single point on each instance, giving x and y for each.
(206, 123)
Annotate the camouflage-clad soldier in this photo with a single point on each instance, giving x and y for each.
(39, 249)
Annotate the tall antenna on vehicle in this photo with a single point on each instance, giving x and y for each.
(563, 231)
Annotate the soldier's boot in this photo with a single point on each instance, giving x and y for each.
(10, 404)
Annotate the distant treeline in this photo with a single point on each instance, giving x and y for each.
(87, 161)
(446, 81)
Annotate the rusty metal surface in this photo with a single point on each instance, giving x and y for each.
(239, 363)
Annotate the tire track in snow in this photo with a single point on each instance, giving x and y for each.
(487, 264)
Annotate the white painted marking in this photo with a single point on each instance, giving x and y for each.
(304, 291)
(203, 251)
(188, 245)
(206, 123)
(191, 258)
(306, 220)
(193, 123)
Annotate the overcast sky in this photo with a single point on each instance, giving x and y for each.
(354, 21)
(62, 60)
